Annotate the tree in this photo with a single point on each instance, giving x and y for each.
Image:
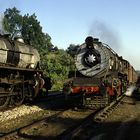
(12, 20)
(28, 27)
(72, 49)
(32, 32)
(57, 66)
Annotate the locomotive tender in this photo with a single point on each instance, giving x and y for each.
(20, 75)
(101, 75)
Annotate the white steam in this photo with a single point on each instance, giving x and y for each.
(130, 91)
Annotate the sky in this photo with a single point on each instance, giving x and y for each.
(114, 22)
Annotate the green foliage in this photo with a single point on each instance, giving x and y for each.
(12, 20)
(28, 27)
(57, 65)
(32, 32)
(72, 50)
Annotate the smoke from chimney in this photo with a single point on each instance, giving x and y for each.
(105, 35)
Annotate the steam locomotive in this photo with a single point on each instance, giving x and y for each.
(20, 75)
(101, 75)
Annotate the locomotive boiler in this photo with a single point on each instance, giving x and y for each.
(101, 75)
(16, 53)
(20, 74)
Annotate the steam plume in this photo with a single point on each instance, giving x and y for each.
(106, 35)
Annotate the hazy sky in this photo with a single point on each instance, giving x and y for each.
(114, 22)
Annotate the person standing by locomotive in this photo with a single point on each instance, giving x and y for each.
(46, 86)
(42, 85)
(36, 84)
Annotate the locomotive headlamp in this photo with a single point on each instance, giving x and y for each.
(90, 59)
(32, 66)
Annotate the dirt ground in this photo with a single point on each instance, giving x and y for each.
(125, 121)
(122, 124)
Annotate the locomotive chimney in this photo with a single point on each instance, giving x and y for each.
(89, 42)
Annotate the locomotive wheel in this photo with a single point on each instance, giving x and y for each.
(19, 97)
(4, 102)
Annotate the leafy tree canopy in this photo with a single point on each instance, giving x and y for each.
(57, 65)
(72, 49)
(28, 27)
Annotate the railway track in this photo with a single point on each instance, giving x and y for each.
(96, 115)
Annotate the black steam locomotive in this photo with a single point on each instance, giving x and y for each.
(100, 76)
(20, 75)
